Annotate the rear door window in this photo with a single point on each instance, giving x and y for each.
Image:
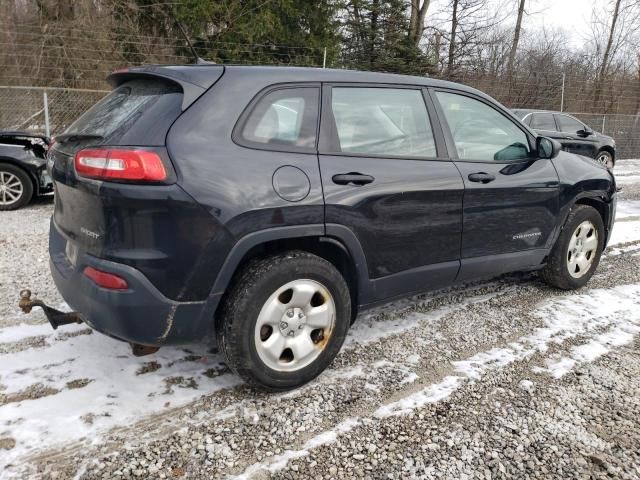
(287, 118)
(382, 121)
(543, 121)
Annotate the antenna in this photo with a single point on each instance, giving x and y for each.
(199, 61)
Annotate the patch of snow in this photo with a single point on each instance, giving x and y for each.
(410, 378)
(627, 208)
(564, 318)
(114, 395)
(527, 385)
(278, 462)
(413, 359)
(431, 394)
(558, 368)
(627, 179)
(624, 232)
(367, 330)
(597, 347)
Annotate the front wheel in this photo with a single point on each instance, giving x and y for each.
(577, 251)
(284, 320)
(605, 158)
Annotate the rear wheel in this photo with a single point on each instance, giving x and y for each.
(605, 158)
(284, 320)
(16, 188)
(577, 252)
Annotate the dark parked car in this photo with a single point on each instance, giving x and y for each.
(22, 168)
(265, 207)
(575, 136)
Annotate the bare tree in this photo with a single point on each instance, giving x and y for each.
(419, 10)
(516, 38)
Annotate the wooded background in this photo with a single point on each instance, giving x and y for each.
(488, 44)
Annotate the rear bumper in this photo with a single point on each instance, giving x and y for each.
(141, 314)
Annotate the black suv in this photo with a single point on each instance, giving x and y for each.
(263, 207)
(575, 136)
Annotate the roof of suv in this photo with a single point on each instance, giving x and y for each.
(197, 74)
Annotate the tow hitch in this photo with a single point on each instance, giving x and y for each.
(55, 317)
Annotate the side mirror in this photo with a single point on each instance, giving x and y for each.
(585, 132)
(547, 147)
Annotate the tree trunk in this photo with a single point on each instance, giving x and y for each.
(605, 58)
(452, 40)
(516, 39)
(416, 21)
(373, 32)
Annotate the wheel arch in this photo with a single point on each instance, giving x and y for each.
(610, 149)
(599, 205)
(345, 254)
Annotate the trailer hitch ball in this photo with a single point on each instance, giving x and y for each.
(25, 300)
(55, 317)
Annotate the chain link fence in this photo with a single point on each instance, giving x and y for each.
(51, 110)
(44, 110)
(625, 130)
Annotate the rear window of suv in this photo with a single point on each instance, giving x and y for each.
(116, 113)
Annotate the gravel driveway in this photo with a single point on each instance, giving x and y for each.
(507, 378)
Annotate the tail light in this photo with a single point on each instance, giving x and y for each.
(106, 280)
(120, 164)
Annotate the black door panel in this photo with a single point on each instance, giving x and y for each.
(405, 211)
(409, 216)
(517, 211)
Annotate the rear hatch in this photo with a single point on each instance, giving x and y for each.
(136, 220)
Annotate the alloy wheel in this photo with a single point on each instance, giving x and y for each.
(11, 188)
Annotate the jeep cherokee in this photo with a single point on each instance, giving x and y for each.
(263, 207)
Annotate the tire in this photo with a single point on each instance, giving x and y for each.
(266, 330)
(606, 159)
(16, 188)
(575, 256)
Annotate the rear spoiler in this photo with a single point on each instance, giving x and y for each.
(193, 79)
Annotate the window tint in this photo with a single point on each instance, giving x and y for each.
(284, 117)
(382, 121)
(480, 132)
(543, 121)
(568, 124)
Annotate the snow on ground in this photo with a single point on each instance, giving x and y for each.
(628, 208)
(615, 310)
(98, 376)
(625, 232)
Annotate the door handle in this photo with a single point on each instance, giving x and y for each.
(481, 177)
(352, 177)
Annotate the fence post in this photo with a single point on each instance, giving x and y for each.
(46, 113)
(604, 117)
(562, 95)
(324, 58)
